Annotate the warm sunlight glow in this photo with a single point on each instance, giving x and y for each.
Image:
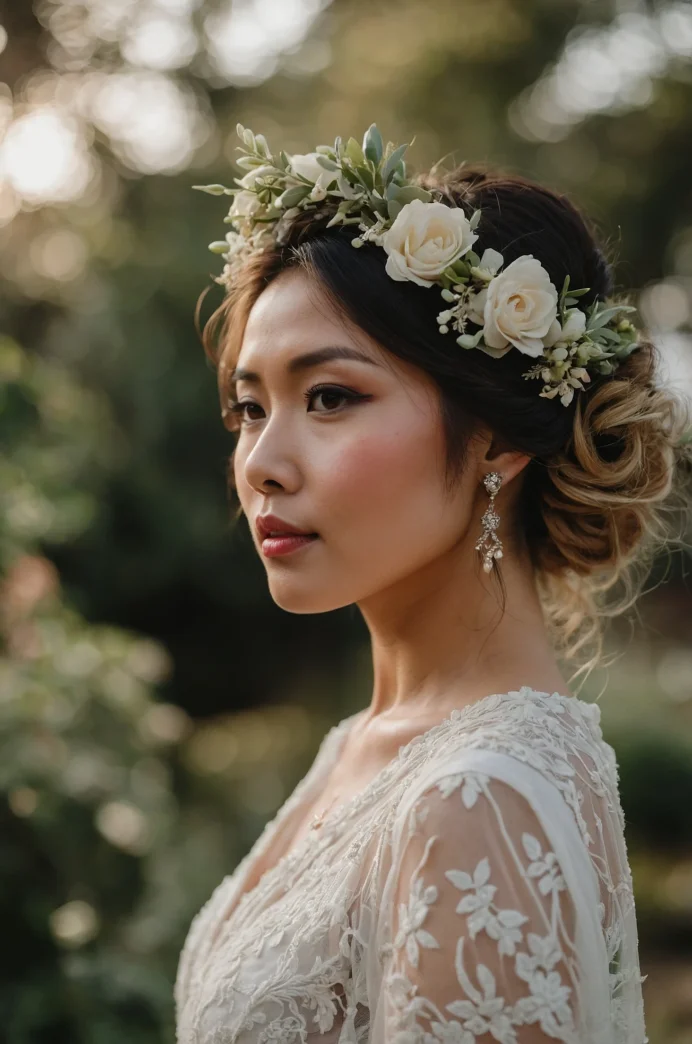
(246, 39)
(43, 157)
(608, 69)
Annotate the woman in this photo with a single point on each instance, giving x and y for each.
(452, 867)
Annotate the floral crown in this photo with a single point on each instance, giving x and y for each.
(429, 243)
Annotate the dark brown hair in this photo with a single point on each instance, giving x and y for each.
(602, 479)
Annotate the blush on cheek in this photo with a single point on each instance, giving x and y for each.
(373, 471)
(384, 504)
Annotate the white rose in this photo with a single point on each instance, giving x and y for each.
(307, 166)
(425, 238)
(519, 307)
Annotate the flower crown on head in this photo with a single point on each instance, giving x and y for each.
(428, 242)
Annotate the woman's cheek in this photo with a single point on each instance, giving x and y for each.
(370, 471)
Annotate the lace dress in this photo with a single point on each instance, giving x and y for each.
(477, 890)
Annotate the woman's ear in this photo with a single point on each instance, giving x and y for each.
(496, 455)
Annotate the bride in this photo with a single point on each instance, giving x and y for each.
(456, 428)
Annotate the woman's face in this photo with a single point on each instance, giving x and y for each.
(349, 448)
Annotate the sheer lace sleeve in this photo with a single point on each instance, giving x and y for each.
(492, 915)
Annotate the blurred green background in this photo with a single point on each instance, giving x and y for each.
(156, 707)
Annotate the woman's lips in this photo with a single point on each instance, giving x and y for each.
(285, 545)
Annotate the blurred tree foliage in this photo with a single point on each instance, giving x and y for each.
(118, 816)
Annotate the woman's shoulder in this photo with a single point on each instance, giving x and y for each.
(530, 720)
(536, 743)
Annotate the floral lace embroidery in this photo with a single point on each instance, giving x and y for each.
(547, 999)
(293, 960)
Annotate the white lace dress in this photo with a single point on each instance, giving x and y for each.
(477, 890)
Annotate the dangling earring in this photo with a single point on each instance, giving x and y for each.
(490, 545)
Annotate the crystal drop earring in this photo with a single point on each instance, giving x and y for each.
(490, 545)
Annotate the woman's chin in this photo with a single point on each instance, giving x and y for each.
(293, 600)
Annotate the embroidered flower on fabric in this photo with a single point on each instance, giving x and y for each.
(486, 1012)
(545, 867)
(548, 1003)
(471, 783)
(473, 786)
(411, 918)
(501, 925)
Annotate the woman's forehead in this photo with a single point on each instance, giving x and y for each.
(290, 303)
(292, 315)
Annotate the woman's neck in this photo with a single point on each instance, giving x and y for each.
(440, 637)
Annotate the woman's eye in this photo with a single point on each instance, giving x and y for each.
(324, 392)
(327, 394)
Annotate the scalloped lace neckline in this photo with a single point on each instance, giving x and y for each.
(347, 808)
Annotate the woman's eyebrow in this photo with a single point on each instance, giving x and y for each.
(306, 361)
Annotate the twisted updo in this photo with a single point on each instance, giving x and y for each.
(606, 488)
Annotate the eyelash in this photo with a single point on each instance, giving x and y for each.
(238, 408)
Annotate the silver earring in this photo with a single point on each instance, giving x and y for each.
(490, 545)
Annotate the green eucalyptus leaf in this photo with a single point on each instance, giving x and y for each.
(372, 144)
(213, 190)
(393, 162)
(609, 335)
(407, 193)
(601, 318)
(354, 152)
(326, 162)
(261, 146)
(292, 196)
(394, 208)
(366, 177)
